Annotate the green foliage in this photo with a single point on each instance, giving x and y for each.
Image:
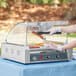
(49, 1)
(67, 1)
(72, 1)
(41, 1)
(45, 1)
(63, 1)
(72, 35)
(36, 1)
(3, 3)
(0, 51)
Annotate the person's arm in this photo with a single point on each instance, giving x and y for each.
(69, 45)
(69, 29)
(66, 29)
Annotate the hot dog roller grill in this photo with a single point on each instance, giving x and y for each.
(24, 47)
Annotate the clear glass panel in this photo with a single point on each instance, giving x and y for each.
(22, 33)
(18, 34)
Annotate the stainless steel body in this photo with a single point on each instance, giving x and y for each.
(22, 54)
(16, 45)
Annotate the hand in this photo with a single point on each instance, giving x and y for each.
(51, 46)
(55, 47)
(60, 47)
(54, 30)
